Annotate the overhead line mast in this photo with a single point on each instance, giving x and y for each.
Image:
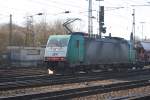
(10, 31)
(133, 27)
(90, 23)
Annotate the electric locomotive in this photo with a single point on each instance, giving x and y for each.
(79, 51)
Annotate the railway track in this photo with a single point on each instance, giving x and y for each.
(86, 91)
(134, 97)
(44, 80)
(25, 71)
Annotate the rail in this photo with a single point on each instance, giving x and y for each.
(45, 80)
(80, 92)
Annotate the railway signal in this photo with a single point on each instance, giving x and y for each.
(102, 29)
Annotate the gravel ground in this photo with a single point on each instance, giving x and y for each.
(55, 87)
(115, 94)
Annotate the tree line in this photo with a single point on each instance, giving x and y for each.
(22, 36)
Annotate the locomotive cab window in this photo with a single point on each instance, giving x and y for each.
(58, 42)
(77, 43)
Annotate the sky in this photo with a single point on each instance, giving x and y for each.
(118, 14)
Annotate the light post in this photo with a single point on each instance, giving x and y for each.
(30, 35)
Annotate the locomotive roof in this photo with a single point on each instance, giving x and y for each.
(89, 36)
(59, 36)
(95, 36)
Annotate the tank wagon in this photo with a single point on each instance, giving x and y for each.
(79, 51)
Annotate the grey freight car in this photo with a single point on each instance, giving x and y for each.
(26, 56)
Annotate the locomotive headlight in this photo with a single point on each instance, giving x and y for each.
(50, 72)
(62, 58)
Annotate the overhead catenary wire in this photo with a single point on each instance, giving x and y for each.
(69, 4)
(46, 4)
(59, 5)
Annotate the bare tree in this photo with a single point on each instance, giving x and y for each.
(43, 30)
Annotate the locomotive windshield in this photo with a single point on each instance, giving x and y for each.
(58, 42)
